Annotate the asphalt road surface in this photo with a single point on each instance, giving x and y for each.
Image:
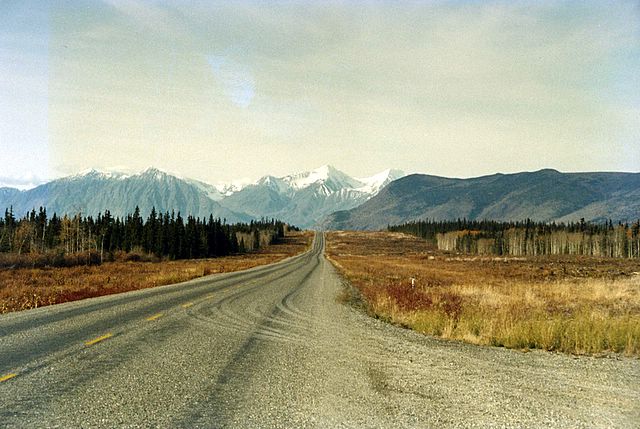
(271, 347)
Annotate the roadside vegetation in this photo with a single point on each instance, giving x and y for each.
(47, 260)
(25, 288)
(38, 239)
(574, 304)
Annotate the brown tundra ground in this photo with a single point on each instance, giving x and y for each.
(26, 288)
(579, 305)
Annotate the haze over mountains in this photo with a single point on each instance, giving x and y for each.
(545, 195)
(301, 199)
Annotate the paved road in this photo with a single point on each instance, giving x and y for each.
(271, 347)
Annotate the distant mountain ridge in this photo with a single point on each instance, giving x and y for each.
(545, 195)
(306, 198)
(328, 198)
(301, 199)
(93, 192)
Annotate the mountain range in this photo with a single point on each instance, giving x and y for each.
(330, 199)
(545, 195)
(302, 199)
(307, 198)
(93, 192)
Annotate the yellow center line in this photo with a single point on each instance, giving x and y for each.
(97, 340)
(7, 377)
(187, 304)
(155, 316)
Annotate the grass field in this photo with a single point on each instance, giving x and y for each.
(571, 304)
(25, 288)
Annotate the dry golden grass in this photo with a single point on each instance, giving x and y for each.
(572, 304)
(25, 288)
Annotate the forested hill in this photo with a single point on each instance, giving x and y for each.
(545, 195)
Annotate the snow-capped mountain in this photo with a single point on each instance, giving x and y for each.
(227, 189)
(328, 197)
(307, 197)
(97, 174)
(301, 199)
(92, 192)
(211, 191)
(328, 177)
(373, 185)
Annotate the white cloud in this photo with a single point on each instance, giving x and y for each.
(25, 180)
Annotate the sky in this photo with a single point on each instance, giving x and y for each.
(224, 90)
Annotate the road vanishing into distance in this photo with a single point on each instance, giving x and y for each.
(271, 347)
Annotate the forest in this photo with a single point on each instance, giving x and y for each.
(529, 238)
(38, 240)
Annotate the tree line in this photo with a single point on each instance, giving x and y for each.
(165, 235)
(529, 238)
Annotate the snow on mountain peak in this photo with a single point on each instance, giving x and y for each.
(326, 178)
(153, 173)
(158, 174)
(275, 183)
(307, 178)
(92, 172)
(303, 198)
(231, 188)
(373, 184)
(149, 173)
(332, 178)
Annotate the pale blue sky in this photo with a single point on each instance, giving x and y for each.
(223, 90)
